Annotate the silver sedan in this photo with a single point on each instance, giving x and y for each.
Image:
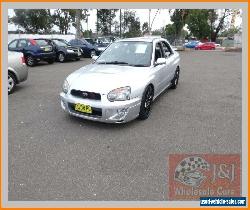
(17, 70)
(121, 84)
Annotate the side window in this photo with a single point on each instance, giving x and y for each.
(158, 51)
(72, 41)
(166, 49)
(13, 44)
(22, 43)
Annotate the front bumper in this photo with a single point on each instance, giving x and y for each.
(110, 112)
(73, 55)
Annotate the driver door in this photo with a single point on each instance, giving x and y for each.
(160, 70)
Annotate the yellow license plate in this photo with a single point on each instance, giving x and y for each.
(46, 49)
(83, 108)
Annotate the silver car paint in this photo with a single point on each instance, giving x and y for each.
(17, 67)
(91, 78)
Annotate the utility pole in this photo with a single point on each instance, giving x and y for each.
(78, 23)
(149, 28)
(120, 23)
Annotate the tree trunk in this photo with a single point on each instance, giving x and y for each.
(78, 24)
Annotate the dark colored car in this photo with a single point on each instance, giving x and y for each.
(100, 44)
(34, 50)
(206, 46)
(64, 51)
(90, 40)
(88, 49)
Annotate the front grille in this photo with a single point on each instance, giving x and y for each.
(86, 94)
(96, 112)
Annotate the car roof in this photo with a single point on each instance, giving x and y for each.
(142, 39)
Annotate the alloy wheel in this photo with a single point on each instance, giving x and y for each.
(11, 83)
(148, 100)
(61, 57)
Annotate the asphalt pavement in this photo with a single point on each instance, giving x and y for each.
(53, 156)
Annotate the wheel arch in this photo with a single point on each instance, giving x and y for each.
(14, 73)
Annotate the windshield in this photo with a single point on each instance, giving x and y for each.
(91, 41)
(127, 53)
(60, 43)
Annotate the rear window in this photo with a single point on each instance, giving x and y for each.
(41, 42)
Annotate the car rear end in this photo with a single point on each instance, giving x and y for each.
(42, 50)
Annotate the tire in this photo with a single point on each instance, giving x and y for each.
(11, 82)
(92, 53)
(61, 57)
(30, 61)
(175, 80)
(77, 58)
(51, 61)
(146, 103)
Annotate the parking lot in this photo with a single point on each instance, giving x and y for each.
(53, 156)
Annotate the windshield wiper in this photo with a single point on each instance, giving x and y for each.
(113, 62)
(138, 65)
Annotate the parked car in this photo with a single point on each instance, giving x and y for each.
(121, 84)
(192, 44)
(88, 49)
(34, 50)
(17, 70)
(100, 43)
(90, 40)
(64, 51)
(206, 46)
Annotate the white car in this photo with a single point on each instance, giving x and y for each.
(121, 84)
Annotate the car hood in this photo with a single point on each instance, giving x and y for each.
(103, 78)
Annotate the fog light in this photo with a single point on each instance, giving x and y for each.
(120, 114)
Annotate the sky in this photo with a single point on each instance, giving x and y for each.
(161, 19)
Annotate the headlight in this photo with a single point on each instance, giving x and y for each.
(70, 51)
(65, 87)
(119, 94)
(101, 48)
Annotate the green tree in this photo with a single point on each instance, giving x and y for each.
(105, 20)
(63, 18)
(131, 24)
(179, 17)
(145, 28)
(197, 22)
(217, 22)
(33, 20)
(77, 16)
(230, 32)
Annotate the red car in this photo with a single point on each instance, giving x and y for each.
(206, 46)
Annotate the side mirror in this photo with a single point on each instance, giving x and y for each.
(160, 61)
(94, 58)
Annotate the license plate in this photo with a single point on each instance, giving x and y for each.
(83, 108)
(47, 49)
(79, 53)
